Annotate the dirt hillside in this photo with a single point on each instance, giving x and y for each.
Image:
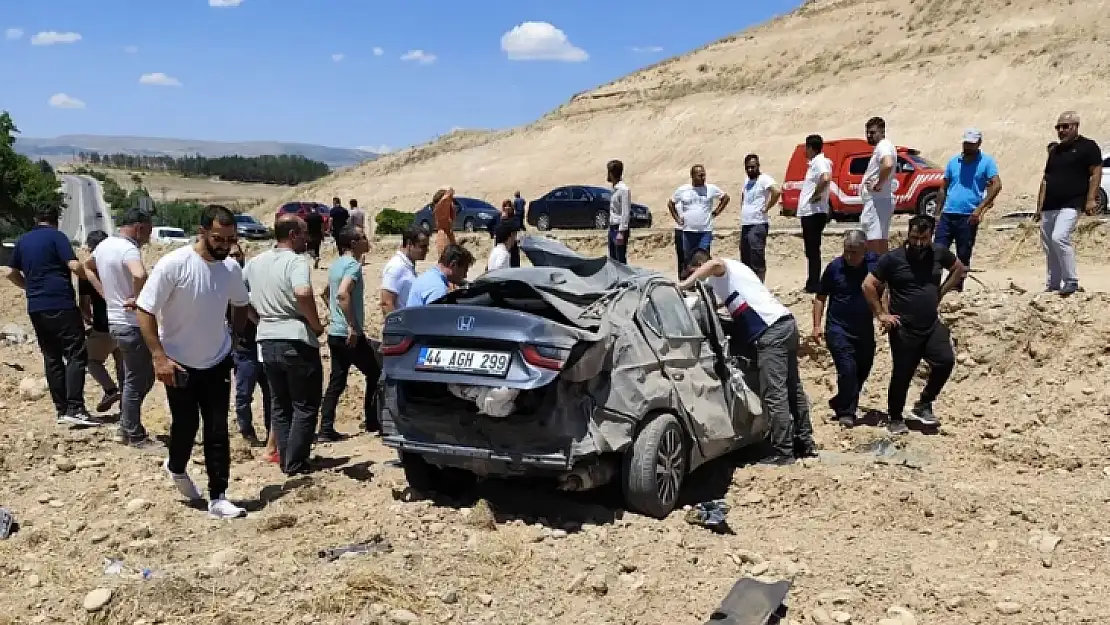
(930, 67)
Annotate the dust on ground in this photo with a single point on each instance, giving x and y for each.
(998, 520)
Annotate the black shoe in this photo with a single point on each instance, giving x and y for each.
(330, 436)
(805, 449)
(777, 460)
(923, 413)
(252, 438)
(1069, 289)
(897, 427)
(847, 421)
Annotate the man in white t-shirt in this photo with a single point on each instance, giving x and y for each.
(761, 193)
(400, 271)
(761, 321)
(813, 207)
(877, 190)
(182, 312)
(620, 211)
(118, 267)
(693, 210)
(356, 216)
(505, 240)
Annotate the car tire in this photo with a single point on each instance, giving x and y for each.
(426, 226)
(468, 225)
(543, 222)
(655, 467)
(1102, 203)
(927, 204)
(601, 220)
(426, 478)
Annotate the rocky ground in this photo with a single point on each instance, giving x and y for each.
(998, 520)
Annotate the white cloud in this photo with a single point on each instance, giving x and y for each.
(222, 4)
(159, 79)
(63, 101)
(646, 48)
(131, 49)
(13, 33)
(50, 37)
(338, 57)
(378, 51)
(419, 56)
(540, 41)
(376, 149)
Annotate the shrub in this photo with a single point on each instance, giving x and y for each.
(390, 221)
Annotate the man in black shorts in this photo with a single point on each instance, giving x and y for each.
(912, 275)
(315, 223)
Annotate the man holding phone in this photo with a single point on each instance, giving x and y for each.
(182, 312)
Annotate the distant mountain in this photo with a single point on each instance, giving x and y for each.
(64, 148)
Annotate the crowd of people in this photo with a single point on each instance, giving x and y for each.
(205, 314)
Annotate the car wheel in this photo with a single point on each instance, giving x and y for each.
(543, 222)
(601, 220)
(655, 467)
(1102, 204)
(426, 478)
(928, 204)
(426, 227)
(468, 225)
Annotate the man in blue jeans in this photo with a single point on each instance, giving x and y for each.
(248, 368)
(620, 212)
(971, 183)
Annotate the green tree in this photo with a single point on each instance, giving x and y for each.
(25, 186)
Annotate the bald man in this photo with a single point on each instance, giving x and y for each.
(443, 214)
(1072, 175)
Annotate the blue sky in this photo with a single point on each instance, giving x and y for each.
(270, 70)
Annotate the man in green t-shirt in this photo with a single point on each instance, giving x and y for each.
(346, 337)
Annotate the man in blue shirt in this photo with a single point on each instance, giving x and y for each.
(971, 183)
(43, 264)
(849, 331)
(453, 265)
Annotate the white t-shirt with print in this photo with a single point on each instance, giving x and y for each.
(190, 296)
(882, 149)
(397, 277)
(499, 258)
(756, 194)
(111, 258)
(748, 301)
(808, 204)
(695, 206)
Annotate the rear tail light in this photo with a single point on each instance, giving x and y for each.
(395, 344)
(547, 357)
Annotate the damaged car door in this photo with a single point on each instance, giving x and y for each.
(688, 361)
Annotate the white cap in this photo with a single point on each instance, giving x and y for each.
(972, 135)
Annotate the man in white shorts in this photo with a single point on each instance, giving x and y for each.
(876, 190)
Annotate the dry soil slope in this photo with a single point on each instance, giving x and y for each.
(930, 67)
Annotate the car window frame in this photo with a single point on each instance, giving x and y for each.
(660, 331)
(551, 196)
(866, 160)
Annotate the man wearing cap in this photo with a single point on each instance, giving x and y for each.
(1071, 180)
(971, 184)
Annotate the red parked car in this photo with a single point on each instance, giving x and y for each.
(302, 209)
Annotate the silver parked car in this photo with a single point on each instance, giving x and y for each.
(581, 369)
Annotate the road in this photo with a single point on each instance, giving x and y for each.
(85, 208)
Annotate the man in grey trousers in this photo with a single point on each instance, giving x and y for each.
(116, 269)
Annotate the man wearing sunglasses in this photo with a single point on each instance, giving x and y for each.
(1071, 179)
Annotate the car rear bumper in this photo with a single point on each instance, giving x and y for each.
(556, 462)
(640, 221)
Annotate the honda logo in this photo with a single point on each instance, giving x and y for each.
(465, 323)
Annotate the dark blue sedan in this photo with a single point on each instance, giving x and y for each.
(470, 215)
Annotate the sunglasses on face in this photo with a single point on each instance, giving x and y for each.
(1063, 126)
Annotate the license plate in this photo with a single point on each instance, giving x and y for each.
(463, 361)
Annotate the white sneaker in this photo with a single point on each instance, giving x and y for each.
(77, 421)
(220, 508)
(183, 482)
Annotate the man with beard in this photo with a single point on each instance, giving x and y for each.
(912, 275)
(876, 189)
(971, 183)
(849, 331)
(761, 193)
(288, 326)
(118, 267)
(620, 211)
(400, 272)
(1072, 176)
(454, 264)
(813, 207)
(693, 208)
(182, 312)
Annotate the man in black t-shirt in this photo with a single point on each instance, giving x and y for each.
(912, 275)
(1072, 175)
(314, 223)
(339, 216)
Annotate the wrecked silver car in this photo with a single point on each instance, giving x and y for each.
(581, 369)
